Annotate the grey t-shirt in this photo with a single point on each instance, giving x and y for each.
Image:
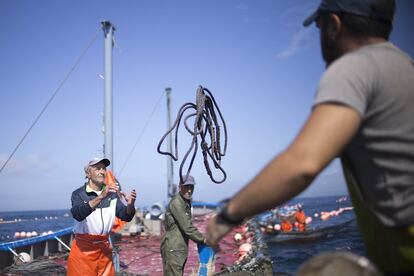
(378, 82)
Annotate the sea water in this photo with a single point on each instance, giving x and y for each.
(286, 257)
(29, 221)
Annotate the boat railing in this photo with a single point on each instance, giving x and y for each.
(44, 245)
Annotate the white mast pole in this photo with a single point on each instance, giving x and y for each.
(108, 29)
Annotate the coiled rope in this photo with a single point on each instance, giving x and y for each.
(205, 122)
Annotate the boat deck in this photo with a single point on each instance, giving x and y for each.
(141, 254)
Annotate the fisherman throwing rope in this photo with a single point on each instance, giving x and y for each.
(94, 208)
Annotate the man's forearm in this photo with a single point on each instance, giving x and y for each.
(278, 182)
(130, 208)
(95, 202)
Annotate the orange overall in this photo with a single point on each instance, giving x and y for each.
(90, 255)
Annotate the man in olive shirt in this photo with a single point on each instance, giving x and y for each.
(178, 229)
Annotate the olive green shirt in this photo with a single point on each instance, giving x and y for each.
(179, 227)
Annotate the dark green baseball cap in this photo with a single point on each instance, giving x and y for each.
(365, 8)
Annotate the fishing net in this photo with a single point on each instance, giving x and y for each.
(37, 267)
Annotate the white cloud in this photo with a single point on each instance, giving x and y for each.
(296, 44)
(30, 163)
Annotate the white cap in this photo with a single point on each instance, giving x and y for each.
(95, 161)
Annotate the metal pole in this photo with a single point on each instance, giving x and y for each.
(16, 255)
(108, 29)
(170, 166)
(62, 243)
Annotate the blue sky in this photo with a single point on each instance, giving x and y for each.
(262, 66)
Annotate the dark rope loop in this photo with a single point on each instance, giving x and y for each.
(207, 128)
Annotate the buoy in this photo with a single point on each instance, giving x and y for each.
(325, 216)
(22, 234)
(49, 232)
(44, 233)
(34, 233)
(22, 258)
(28, 234)
(238, 237)
(244, 249)
(316, 215)
(308, 220)
(17, 234)
(277, 227)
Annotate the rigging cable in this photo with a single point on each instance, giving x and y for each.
(51, 99)
(204, 114)
(140, 134)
